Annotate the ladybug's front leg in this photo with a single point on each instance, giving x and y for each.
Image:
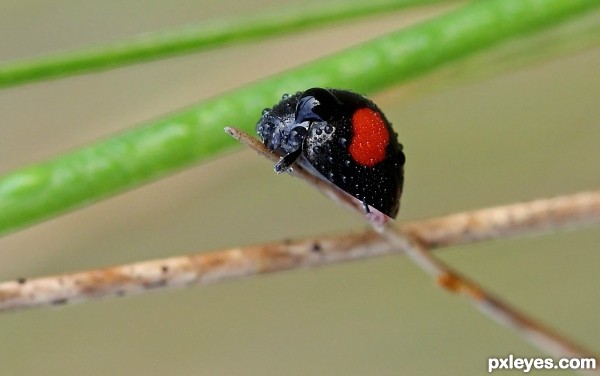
(294, 141)
(287, 160)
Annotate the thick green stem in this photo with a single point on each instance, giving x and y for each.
(144, 153)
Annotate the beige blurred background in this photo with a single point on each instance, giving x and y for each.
(472, 140)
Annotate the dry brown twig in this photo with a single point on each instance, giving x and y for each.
(414, 238)
(204, 268)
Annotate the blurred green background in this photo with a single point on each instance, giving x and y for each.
(475, 135)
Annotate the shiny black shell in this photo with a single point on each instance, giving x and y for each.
(345, 137)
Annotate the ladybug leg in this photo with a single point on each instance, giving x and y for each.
(286, 161)
(375, 217)
(366, 206)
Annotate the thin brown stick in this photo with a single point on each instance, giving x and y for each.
(541, 336)
(204, 268)
(545, 338)
(524, 218)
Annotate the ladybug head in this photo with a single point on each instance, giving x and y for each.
(284, 127)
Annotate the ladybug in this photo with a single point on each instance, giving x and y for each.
(341, 136)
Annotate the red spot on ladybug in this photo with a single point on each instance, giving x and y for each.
(370, 139)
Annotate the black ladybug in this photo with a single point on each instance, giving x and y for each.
(344, 137)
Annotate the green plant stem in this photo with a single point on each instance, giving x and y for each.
(193, 38)
(132, 158)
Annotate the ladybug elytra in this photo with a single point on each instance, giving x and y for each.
(341, 136)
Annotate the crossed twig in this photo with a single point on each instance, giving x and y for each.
(416, 239)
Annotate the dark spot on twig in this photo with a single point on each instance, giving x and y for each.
(59, 301)
(449, 282)
(286, 241)
(21, 281)
(164, 269)
(155, 284)
(316, 247)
